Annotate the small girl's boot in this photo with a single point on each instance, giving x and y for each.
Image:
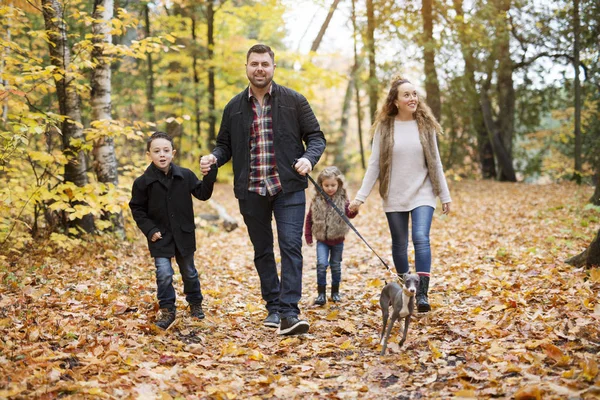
(321, 297)
(335, 293)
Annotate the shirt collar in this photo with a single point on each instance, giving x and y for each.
(250, 95)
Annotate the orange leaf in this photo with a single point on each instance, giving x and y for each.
(531, 392)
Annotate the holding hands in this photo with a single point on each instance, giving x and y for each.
(206, 162)
(446, 208)
(354, 205)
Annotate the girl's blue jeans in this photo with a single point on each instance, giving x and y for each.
(421, 224)
(329, 256)
(164, 280)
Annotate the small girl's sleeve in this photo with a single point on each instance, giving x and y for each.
(350, 214)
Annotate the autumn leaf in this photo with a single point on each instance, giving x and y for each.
(589, 367)
(530, 392)
(556, 354)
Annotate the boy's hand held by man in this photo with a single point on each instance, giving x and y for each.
(206, 162)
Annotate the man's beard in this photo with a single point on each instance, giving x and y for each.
(260, 85)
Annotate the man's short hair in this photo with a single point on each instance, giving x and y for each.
(261, 49)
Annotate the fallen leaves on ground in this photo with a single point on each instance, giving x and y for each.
(509, 318)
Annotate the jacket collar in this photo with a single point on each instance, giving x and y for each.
(272, 92)
(152, 174)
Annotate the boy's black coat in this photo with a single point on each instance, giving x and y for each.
(164, 203)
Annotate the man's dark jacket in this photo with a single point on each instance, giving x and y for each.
(294, 127)
(163, 203)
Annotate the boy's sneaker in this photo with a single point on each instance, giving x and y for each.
(293, 326)
(272, 320)
(196, 311)
(166, 317)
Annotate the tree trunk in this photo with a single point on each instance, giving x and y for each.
(506, 93)
(68, 101)
(578, 138)
(432, 85)
(503, 156)
(340, 159)
(317, 42)
(197, 111)
(595, 199)
(4, 82)
(370, 45)
(105, 164)
(484, 145)
(589, 257)
(357, 87)
(150, 82)
(212, 119)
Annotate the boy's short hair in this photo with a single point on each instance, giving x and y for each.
(261, 49)
(159, 135)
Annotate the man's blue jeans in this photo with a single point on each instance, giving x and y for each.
(288, 208)
(164, 280)
(421, 224)
(329, 256)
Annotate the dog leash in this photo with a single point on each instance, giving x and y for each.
(347, 221)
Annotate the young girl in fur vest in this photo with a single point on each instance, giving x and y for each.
(329, 229)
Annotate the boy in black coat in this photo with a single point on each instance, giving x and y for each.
(161, 204)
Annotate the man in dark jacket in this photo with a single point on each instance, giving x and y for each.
(161, 204)
(274, 138)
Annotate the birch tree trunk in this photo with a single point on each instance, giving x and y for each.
(68, 101)
(105, 160)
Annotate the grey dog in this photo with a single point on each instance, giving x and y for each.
(402, 300)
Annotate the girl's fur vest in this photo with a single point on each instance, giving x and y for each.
(326, 223)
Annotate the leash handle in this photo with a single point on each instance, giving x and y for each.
(342, 214)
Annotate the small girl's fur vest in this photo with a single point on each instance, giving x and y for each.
(326, 223)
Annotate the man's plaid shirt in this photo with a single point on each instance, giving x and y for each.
(263, 177)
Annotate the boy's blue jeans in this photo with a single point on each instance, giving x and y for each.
(164, 280)
(329, 256)
(421, 224)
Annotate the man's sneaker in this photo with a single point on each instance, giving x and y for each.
(196, 311)
(292, 326)
(166, 317)
(272, 320)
